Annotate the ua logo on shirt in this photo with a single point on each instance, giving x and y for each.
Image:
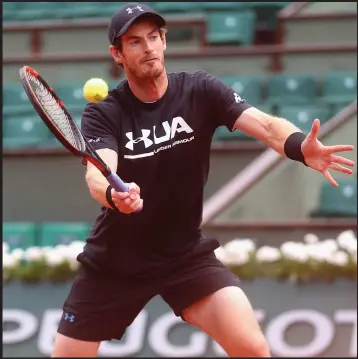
(145, 134)
(178, 125)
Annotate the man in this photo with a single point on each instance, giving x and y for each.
(155, 131)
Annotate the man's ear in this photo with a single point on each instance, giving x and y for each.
(115, 54)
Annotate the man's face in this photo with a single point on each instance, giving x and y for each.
(142, 50)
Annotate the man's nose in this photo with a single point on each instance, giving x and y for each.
(148, 47)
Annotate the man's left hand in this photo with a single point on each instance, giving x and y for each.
(322, 158)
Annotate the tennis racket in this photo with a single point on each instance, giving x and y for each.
(55, 116)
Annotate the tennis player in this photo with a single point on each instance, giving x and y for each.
(155, 130)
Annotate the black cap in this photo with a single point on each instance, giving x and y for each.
(126, 15)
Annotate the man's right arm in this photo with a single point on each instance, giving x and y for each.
(96, 182)
(93, 125)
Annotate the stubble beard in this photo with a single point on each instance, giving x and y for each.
(143, 72)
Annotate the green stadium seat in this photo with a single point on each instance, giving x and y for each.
(36, 11)
(52, 141)
(338, 107)
(227, 27)
(54, 233)
(9, 15)
(9, 11)
(248, 87)
(80, 10)
(24, 131)
(15, 101)
(225, 5)
(77, 117)
(19, 234)
(32, 11)
(10, 6)
(291, 90)
(177, 7)
(303, 116)
(265, 107)
(339, 88)
(338, 202)
(72, 95)
(266, 13)
(222, 134)
(107, 9)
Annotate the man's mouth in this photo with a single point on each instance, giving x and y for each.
(148, 60)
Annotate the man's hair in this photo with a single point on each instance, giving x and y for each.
(119, 47)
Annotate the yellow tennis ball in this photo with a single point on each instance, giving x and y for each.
(95, 90)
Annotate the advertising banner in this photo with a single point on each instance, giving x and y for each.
(318, 320)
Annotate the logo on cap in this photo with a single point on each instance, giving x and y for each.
(130, 10)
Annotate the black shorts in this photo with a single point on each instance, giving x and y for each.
(100, 308)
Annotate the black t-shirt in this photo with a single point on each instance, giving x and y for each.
(164, 147)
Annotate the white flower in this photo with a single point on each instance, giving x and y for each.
(329, 245)
(237, 251)
(220, 254)
(235, 245)
(317, 252)
(238, 259)
(248, 244)
(18, 254)
(74, 265)
(310, 238)
(33, 254)
(348, 241)
(339, 258)
(53, 257)
(5, 247)
(295, 251)
(77, 247)
(301, 257)
(8, 261)
(268, 254)
(289, 246)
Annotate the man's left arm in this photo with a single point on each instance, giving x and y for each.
(272, 130)
(288, 140)
(227, 108)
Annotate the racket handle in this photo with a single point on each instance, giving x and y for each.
(117, 183)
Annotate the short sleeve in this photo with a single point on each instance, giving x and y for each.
(97, 129)
(225, 104)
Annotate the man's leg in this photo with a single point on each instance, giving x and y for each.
(98, 308)
(207, 295)
(66, 347)
(227, 316)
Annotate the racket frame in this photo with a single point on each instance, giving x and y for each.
(89, 155)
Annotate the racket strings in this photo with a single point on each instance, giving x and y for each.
(56, 113)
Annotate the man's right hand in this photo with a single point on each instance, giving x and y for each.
(128, 202)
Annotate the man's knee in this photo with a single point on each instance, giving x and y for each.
(260, 347)
(66, 347)
(254, 347)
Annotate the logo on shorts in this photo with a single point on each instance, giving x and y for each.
(69, 317)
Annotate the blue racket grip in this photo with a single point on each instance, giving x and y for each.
(117, 183)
